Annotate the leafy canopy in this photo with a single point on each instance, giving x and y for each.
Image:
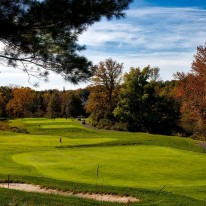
(45, 33)
(191, 92)
(142, 108)
(103, 96)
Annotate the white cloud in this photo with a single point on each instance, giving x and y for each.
(158, 36)
(104, 32)
(158, 28)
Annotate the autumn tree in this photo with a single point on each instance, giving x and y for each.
(191, 92)
(103, 96)
(97, 105)
(44, 33)
(20, 104)
(108, 75)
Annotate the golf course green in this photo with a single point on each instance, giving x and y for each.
(53, 153)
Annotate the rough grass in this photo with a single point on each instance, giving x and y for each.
(19, 198)
(127, 161)
(149, 197)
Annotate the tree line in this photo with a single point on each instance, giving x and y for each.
(135, 101)
(20, 102)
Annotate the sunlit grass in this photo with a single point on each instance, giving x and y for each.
(135, 160)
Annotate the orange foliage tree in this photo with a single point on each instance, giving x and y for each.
(108, 75)
(191, 91)
(19, 105)
(103, 96)
(97, 105)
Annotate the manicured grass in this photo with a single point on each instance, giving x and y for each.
(126, 160)
(120, 166)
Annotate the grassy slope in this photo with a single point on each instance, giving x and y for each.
(125, 159)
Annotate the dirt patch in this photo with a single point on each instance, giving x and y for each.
(99, 197)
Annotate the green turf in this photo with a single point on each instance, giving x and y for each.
(132, 160)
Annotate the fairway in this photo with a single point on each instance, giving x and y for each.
(124, 159)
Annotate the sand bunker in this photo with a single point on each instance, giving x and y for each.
(99, 197)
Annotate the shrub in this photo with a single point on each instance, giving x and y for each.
(19, 130)
(105, 124)
(120, 126)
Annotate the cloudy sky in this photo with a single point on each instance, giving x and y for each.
(155, 32)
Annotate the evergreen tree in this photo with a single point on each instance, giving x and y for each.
(44, 33)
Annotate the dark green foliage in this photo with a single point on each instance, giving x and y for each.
(104, 124)
(83, 94)
(45, 33)
(39, 105)
(161, 113)
(72, 105)
(142, 108)
(119, 126)
(5, 96)
(54, 106)
(132, 95)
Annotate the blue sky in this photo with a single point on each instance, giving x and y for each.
(162, 33)
(169, 3)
